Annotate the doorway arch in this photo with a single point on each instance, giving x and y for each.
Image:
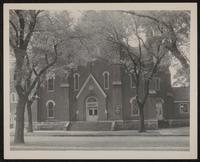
(91, 109)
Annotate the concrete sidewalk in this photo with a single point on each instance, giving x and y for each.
(183, 131)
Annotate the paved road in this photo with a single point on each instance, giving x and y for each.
(104, 143)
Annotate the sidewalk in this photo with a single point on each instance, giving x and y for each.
(183, 131)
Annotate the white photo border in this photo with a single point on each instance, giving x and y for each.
(191, 154)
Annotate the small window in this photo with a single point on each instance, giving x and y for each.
(183, 108)
(106, 79)
(14, 97)
(132, 84)
(50, 109)
(76, 81)
(134, 107)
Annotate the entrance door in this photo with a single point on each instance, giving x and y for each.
(91, 109)
(159, 110)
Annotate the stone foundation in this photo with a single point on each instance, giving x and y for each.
(114, 125)
(134, 125)
(50, 125)
(178, 122)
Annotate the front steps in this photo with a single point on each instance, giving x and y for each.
(90, 126)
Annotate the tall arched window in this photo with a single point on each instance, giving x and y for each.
(132, 83)
(134, 107)
(76, 81)
(50, 109)
(50, 81)
(106, 79)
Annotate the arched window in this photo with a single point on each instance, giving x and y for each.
(91, 99)
(132, 84)
(106, 79)
(50, 81)
(134, 107)
(76, 81)
(50, 109)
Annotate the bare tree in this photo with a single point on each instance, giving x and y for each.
(143, 62)
(171, 27)
(22, 25)
(113, 31)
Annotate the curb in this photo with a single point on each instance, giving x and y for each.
(93, 135)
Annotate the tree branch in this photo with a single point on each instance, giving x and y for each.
(19, 89)
(31, 26)
(35, 72)
(16, 32)
(43, 70)
(173, 48)
(33, 97)
(22, 27)
(147, 16)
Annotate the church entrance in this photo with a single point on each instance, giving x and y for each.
(91, 109)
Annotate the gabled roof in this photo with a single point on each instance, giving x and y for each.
(85, 83)
(181, 93)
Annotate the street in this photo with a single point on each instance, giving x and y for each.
(157, 143)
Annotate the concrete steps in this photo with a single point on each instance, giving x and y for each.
(90, 126)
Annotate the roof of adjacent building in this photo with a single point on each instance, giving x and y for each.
(181, 93)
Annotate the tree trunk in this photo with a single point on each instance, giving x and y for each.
(19, 129)
(141, 125)
(176, 52)
(29, 112)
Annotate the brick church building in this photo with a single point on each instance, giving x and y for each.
(101, 96)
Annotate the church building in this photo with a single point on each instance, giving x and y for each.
(102, 96)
